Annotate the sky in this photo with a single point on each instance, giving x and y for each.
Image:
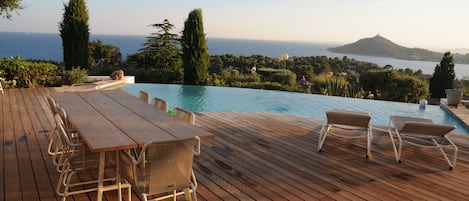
(430, 24)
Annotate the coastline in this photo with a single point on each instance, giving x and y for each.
(47, 46)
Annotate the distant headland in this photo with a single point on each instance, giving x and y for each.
(382, 47)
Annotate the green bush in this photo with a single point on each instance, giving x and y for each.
(331, 86)
(263, 85)
(285, 77)
(215, 80)
(389, 85)
(19, 73)
(235, 76)
(76, 75)
(268, 72)
(103, 71)
(155, 75)
(409, 89)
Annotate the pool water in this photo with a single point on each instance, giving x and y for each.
(213, 99)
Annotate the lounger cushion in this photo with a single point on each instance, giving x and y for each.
(350, 118)
(424, 128)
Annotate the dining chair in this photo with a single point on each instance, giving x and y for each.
(160, 104)
(53, 141)
(1, 88)
(72, 144)
(184, 115)
(67, 125)
(143, 96)
(72, 134)
(162, 169)
(76, 159)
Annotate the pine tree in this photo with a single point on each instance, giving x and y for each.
(195, 54)
(8, 6)
(75, 34)
(443, 76)
(162, 48)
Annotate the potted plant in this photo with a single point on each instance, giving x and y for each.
(454, 96)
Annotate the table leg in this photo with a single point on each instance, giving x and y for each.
(102, 157)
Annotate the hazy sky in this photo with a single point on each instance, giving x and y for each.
(432, 24)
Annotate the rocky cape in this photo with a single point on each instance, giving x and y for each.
(382, 47)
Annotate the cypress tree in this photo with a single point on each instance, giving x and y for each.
(195, 54)
(443, 76)
(75, 34)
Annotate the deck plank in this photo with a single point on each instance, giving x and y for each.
(3, 104)
(38, 143)
(254, 156)
(11, 178)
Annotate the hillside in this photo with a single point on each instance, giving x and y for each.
(382, 47)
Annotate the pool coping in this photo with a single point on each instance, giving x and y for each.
(459, 111)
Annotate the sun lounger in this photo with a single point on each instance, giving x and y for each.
(349, 120)
(423, 133)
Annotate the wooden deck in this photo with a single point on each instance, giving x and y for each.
(254, 156)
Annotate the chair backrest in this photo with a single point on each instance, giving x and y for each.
(64, 136)
(143, 96)
(160, 104)
(185, 115)
(350, 118)
(65, 121)
(424, 128)
(1, 88)
(169, 164)
(52, 105)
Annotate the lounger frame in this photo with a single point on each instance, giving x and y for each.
(420, 131)
(349, 120)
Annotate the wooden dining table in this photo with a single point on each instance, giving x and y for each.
(113, 120)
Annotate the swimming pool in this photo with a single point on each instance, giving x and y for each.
(212, 99)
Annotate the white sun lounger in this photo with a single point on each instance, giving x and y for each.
(423, 133)
(350, 120)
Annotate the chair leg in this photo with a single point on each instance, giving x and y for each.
(194, 193)
(396, 152)
(455, 156)
(62, 180)
(399, 151)
(129, 192)
(322, 136)
(174, 195)
(187, 194)
(370, 140)
(51, 141)
(67, 181)
(451, 165)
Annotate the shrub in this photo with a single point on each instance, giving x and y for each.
(155, 75)
(215, 80)
(285, 77)
(76, 75)
(263, 85)
(235, 76)
(27, 74)
(331, 86)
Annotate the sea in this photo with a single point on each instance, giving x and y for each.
(48, 46)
